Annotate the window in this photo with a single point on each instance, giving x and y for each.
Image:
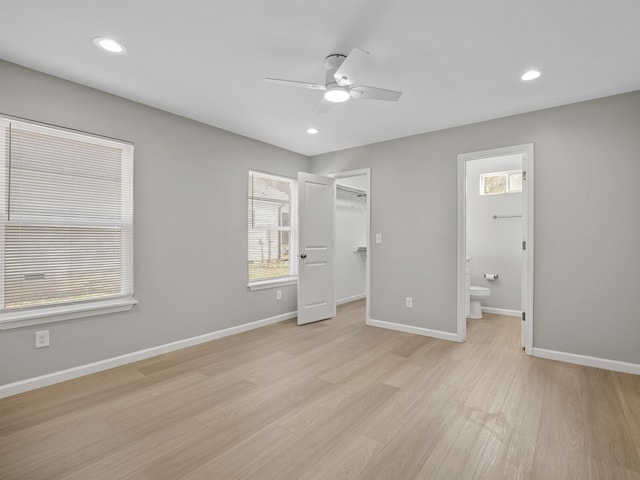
(271, 215)
(66, 239)
(501, 182)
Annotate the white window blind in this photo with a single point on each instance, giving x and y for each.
(67, 217)
(271, 216)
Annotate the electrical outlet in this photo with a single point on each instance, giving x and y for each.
(42, 338)
(378, 238)
(409, 302)
(278, 294)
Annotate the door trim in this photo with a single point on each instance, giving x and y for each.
(357, 173)
(527, 220)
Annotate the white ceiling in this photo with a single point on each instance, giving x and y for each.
(457, 61)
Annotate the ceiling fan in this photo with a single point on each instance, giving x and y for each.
(340, 81)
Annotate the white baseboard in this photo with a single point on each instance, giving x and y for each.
(427, 332)
(503, 311)
(587, 361)
(82, 370)
(351, 299)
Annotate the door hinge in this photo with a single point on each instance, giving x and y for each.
(524, 317)
(524, 175)
(524, 244)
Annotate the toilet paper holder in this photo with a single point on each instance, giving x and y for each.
(491, 276)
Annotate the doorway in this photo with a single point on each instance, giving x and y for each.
(353, 192)
(317, 272)
(489, 184)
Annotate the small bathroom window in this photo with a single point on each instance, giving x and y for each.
(496, 183)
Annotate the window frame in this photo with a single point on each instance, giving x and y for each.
(51, 313)
(292, 278)
(507, 174)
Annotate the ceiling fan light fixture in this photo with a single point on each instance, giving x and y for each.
(336, 95)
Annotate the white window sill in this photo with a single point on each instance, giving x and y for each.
(273, 283)
(39, 316)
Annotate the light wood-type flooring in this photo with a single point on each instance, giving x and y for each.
(331, 400)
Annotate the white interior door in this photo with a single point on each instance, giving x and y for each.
(316, 234)
(525, 277)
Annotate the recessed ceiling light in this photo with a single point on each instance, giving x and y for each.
(312, 131)
(337, 95)
(110, 45)
(531, 75)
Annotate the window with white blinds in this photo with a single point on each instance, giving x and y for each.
(66, 201)
(271, 216)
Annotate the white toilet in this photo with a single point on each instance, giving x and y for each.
(477, 294)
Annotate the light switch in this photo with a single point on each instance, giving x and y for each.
(378, 238)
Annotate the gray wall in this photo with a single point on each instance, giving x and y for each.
(495, 245)
(190, 204)
(190, 201)
(587, 226)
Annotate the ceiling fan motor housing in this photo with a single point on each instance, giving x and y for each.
(334, 60)
(335, 92)
(332, 63)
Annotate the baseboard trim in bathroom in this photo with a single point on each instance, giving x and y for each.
(426, 332)
(351, 299)
(587, 361)
(89, 368)
(503, 311)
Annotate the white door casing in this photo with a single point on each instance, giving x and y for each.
(316, 235)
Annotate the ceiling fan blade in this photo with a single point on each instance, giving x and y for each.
(355, 61)
(293, 83)
(324, 106)
(373, 93)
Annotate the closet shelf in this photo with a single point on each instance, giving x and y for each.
(348, 188)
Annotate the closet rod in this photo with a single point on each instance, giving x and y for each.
(347, 188)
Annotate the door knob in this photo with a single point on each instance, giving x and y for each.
(304, 255)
